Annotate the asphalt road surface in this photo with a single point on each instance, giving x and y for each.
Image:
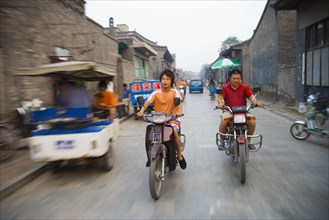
(286, 179)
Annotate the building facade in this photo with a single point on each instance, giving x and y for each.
(147, 57)
(38, 32)
(272, 54)
(312, 46)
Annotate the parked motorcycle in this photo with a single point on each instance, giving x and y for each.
(316, 119)
(236, 137)
(181, 90)
(160, 148)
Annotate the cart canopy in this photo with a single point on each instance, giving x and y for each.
(83, 70)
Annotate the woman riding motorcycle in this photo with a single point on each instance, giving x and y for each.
(163, 100)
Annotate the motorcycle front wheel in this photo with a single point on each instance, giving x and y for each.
(242, 160)
(299, 131)
(155, 180)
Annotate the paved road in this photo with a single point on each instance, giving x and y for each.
(286, 179)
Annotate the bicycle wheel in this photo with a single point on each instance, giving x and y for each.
(299, 131)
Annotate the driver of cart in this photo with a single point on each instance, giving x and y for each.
(234, 94)
(70, 94)
(163, 100)
(105, 100)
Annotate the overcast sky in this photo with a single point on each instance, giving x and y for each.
(193, 30)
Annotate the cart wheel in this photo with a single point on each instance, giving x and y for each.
(135, 111)
(55, 166)
(106, 162)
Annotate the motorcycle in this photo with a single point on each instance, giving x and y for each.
(160, 148)
(181, 90)
(316, 119)
(212, 90)
(236, 137)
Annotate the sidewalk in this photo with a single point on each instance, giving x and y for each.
(289, 112)
(20, 169)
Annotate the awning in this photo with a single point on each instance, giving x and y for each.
(84, 70)
(144, 48)
(225, 63)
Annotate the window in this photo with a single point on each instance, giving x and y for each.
(317, 35)
(317, 47)
(141, 68)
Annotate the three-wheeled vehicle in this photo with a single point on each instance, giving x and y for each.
(144, 89)
(69, 134)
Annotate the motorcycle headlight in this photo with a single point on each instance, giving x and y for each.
(239, 118)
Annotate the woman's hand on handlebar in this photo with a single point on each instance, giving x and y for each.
(140, 114)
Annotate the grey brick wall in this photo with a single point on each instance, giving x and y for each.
(272, 55)
(263, 54)
(30, 31)
(286, 23)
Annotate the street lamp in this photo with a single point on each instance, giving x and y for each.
(162, 60)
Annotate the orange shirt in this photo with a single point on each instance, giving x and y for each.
(164, 101)
(108, 98)
(181, 83)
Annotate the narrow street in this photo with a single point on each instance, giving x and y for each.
(286, 179)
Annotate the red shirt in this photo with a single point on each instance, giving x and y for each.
(236, 97)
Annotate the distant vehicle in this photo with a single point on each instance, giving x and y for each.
(196, 85)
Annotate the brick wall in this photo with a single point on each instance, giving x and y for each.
(286, 23)
(272, 55)
(30, 31)
(263, 54)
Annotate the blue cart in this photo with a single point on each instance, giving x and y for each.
(142, 88)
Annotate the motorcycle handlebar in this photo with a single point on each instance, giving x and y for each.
(225, 107)
(176, 115)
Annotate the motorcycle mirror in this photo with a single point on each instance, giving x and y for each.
(176, 101)
(219, 91)
(140, 100)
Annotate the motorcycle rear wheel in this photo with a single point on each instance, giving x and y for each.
(155, 181)
(299, 131)
(242, 160)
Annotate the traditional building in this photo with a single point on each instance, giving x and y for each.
(37, 32)
(312, 46)
(147, 57)
(272, 54)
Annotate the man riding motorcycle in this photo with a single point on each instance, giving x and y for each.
(181, 82)
(163, 100)
(212, 87)
(234, 94)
